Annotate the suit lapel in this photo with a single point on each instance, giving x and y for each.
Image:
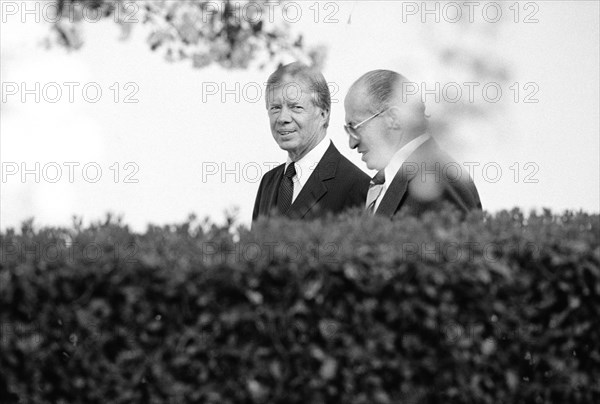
(272, 189)
(315, 188)
(393, 196)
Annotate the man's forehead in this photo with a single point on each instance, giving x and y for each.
(290, 89)
(357, 99)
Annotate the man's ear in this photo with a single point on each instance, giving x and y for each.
(324, 115)
(394, 117)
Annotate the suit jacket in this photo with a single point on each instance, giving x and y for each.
(334, 186)
(427, 180)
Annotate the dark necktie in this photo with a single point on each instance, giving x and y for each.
(375, 188)
(286, 189)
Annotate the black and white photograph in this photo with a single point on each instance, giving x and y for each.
(277, 201)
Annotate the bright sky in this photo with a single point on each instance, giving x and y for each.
(192, 152)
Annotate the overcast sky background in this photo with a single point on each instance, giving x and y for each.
(176, 132)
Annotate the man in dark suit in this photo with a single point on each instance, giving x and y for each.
(389, 128)
(316, 179)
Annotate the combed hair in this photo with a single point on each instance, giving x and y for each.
(381, 85)
(308, 75)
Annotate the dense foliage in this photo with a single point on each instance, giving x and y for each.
(230, 33)
(493, 309)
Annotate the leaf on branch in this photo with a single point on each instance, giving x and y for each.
(204, 32)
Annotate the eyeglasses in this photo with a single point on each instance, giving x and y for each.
(352, 130)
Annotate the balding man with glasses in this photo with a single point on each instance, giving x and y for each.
(389, 129)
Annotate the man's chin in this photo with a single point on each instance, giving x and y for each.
(287, 145)
(368, 162)
(372, 165)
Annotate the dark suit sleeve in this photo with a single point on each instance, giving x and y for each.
(463, 194)
(358, 193)
(459, 191)
(257, 201)
(356, 183)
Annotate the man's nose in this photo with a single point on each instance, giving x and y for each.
(284, 115)
(353, 143)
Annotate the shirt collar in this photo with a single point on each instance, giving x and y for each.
(401, 155)
(307, 164)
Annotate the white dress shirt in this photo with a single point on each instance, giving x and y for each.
(306, 165)
(396, 162)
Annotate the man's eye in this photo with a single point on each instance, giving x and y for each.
(297, 107)
(274, 107)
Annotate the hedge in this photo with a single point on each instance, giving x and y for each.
(499, 308)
